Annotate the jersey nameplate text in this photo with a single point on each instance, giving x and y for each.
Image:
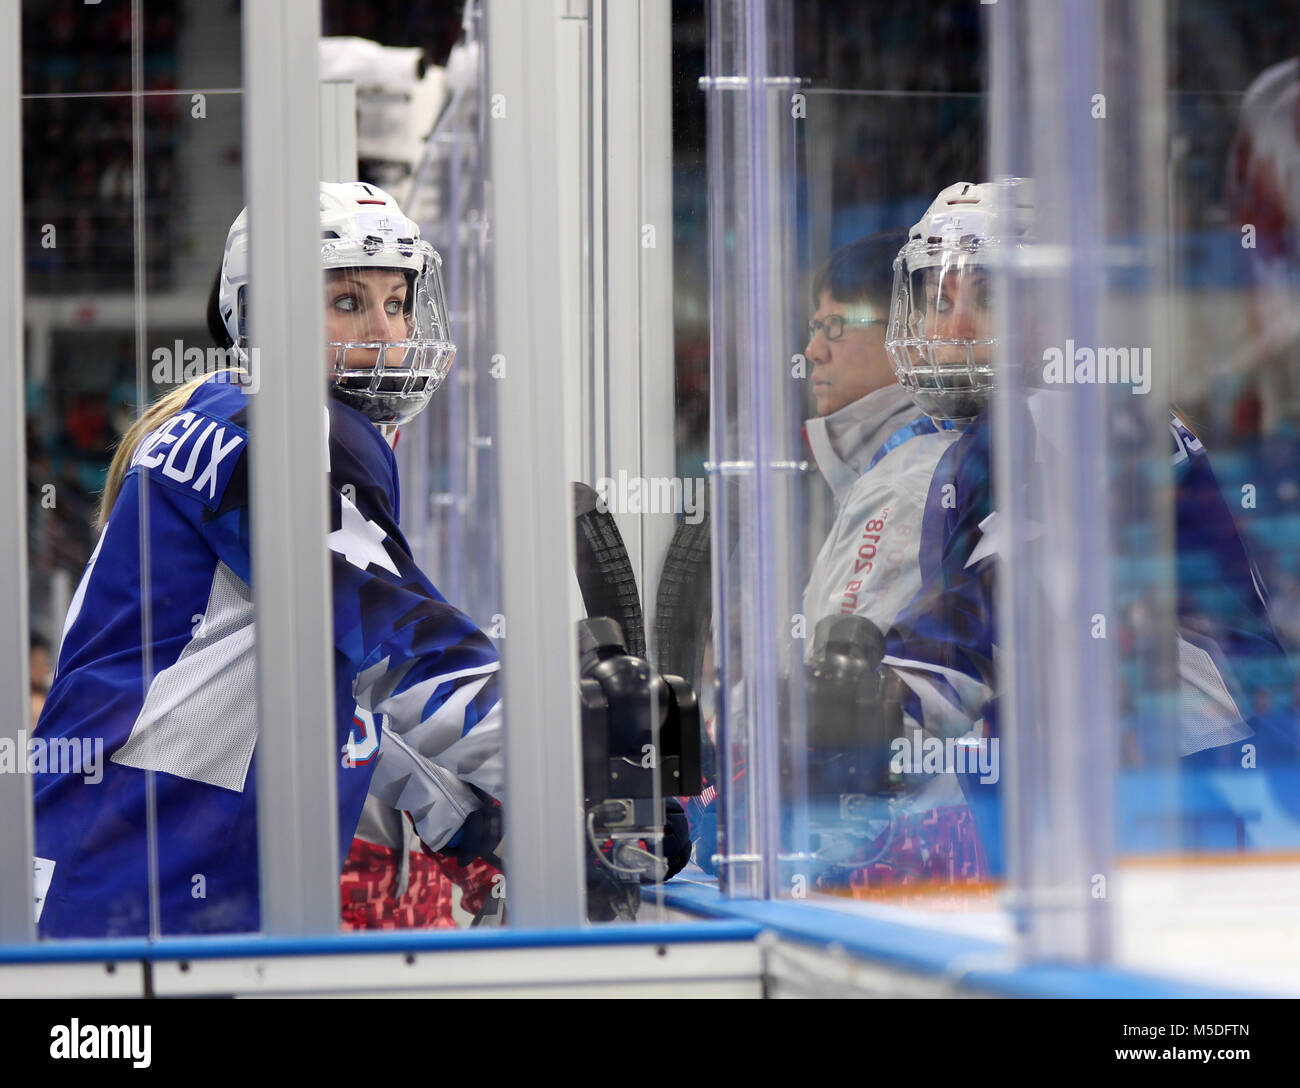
(193, 454)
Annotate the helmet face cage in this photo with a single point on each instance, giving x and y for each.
(939, 336)
(390, 382)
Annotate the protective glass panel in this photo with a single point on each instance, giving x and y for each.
(839, 736)
(426, 850)
(641, 551)
(132, 334)
(151, 632)
(448, 455)
(899, 359)
(1209, 807)
(1147, 704)
(1034, 649)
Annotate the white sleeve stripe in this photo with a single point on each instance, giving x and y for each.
(476, 670)
(1199, 669)
(433, 735)
(458, 701)
(967, 687)
(941, 715)
(368, 679)
(1208, 715)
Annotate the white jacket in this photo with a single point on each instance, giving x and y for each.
(870, 562)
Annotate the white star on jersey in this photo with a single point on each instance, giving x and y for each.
(360, 541)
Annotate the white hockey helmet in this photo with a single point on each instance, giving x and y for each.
(362, 227)
(940, 336)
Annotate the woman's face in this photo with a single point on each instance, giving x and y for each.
(958, 308)
(365, 304)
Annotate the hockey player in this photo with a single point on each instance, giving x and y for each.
(878, 452)
(941, 340)
(173, 808)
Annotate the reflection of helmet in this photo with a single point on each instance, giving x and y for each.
(940, 337)
(363, 228)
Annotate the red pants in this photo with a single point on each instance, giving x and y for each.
(368, 888)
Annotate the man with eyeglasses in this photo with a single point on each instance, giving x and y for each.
(878, 453)
(874, 447)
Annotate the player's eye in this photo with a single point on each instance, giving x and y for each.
(395, 306)
(347, 304)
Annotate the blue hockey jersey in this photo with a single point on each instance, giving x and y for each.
(943, 643)
(158, 665)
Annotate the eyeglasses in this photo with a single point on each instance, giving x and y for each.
(834, 325)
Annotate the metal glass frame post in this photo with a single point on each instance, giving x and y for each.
(1088, 278)
(632, 199)
(532, 183)
(754, 476)
(16, 843)
(297, 751)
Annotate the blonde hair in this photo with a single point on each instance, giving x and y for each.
(153, 417)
